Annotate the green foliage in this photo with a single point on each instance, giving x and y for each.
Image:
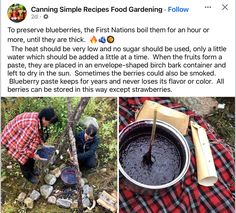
(108, 129)
(10, 209)
(223, 120)
(111, 153)
(14, 106)
(3, 175)
(103, 109)
(109, 143)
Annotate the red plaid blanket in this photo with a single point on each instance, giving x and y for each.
(187, 195)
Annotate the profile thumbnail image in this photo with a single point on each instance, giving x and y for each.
(17, 12)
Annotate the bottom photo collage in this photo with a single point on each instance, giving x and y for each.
(109, 154)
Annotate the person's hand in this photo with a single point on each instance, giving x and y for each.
(68, 151)
(70, 156)
(72, 161)
(37, 157)
(47, 145)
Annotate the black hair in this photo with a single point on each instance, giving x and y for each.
(49, 115)
(91, 130)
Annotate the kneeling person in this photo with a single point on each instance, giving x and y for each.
(86, 144)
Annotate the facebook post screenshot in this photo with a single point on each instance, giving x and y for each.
(117, 106)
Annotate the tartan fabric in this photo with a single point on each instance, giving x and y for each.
(21, 136)
(187, 195)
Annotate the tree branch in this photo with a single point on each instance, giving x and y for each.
(75, 157)
(73, 118)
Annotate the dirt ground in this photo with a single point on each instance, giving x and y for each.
(223, 120)
(101, 178)
(218, 112)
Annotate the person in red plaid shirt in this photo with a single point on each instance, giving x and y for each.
(23, 135)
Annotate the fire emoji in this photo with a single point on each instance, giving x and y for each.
(93, 40)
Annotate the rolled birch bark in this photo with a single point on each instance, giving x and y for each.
(206, 171)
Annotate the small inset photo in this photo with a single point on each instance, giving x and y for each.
(58, 154)
(17, 12)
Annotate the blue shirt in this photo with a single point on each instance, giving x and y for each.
(85, 149)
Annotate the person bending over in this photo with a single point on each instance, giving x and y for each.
(23, 135)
